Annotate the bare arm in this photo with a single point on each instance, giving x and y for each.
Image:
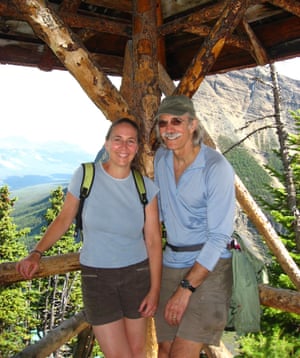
(30, 264)
(154, 248)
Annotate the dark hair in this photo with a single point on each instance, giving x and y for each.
(137, 161)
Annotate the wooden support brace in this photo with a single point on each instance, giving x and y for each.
(258, 50)
(212, 46)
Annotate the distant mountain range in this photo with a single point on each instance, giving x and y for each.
(24, 164)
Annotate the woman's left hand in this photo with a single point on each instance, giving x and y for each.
(149, 305)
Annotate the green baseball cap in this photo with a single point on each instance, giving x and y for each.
(177, 105)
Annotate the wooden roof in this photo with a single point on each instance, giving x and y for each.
(265, 32)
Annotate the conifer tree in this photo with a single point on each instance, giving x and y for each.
(280, 330)
(16, 320)
(58, 296)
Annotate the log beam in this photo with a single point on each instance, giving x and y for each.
(208, 14)
(69, 6)
(285, 300)
(234, 41)
(126, 88)
(292, 6)
(146, 94)
(55, 338)
(278, 298)
(75, 20)
(257, 48)
(212, 46)
(49, 265)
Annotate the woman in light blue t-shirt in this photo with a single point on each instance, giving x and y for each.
(121, 257)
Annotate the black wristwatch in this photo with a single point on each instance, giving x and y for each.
(186, 284)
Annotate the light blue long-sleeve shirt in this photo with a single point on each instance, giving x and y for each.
(200, 208)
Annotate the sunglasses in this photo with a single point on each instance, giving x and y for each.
(175, 121)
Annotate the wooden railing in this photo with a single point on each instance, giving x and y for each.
(282, 299)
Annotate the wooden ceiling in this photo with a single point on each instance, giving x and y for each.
(267, 31)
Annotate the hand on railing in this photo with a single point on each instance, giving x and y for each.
(28, 266)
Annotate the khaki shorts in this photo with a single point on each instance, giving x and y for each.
(206, 315)
(111, 294)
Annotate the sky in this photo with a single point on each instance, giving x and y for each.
(51, 106)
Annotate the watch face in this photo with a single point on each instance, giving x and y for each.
(186, 284)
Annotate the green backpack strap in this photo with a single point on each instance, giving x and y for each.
(85, 188)
(87, 182)
(140, 185)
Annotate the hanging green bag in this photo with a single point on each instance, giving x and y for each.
(249, 270)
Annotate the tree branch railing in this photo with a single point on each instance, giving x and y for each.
(283, 299)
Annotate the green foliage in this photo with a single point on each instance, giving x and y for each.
(278, 205)
(41, 304)
(31, 207)
(57, 297)
(275, 345)
(253, 175)
(280, 330)
(15, 314)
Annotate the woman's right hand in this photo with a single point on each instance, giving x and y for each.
(29, 265)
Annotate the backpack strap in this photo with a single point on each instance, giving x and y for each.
(87, 182)
(140, 186)
(85, 188)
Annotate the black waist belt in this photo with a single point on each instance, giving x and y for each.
(196, 247)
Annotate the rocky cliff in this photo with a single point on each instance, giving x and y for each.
(237, 103)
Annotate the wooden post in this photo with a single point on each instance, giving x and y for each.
(145, 70)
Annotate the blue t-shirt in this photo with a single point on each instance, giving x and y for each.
(113, 219)
(200, 208)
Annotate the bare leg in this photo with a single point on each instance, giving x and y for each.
(182, 348)
(164, 349)
(136, 330)
(112, 339)
(124, 338)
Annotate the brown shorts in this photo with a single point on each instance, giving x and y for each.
(111, 294)
(206, 315)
